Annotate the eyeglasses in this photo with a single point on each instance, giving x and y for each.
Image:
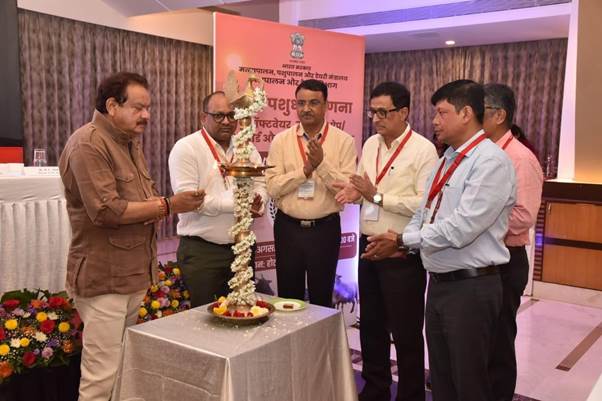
(219, 117)
(312, 103)
(381, 113)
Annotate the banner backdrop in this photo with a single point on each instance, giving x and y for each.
(283, 56)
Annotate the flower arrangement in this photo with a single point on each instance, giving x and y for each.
(167, 297)
(37, 329)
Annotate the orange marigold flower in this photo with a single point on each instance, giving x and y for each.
(36, 303)
(68, 346)
(5, 370)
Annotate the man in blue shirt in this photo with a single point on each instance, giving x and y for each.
(459, 229)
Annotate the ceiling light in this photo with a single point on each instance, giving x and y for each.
(450, 42)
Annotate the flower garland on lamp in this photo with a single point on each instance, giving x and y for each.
(242, 301)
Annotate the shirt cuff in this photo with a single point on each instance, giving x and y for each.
(323, 168)
(110, 213)
(412, 239)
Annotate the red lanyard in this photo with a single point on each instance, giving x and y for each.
(300, 143)
(439, 182)
(216, 156)
(387, 166)
(505, 145)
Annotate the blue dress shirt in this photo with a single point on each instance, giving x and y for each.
(469, 228)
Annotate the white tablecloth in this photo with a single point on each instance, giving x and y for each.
(34, 233)
(294, 356)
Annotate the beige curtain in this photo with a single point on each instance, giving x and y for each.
(534, 70)
(63, 61)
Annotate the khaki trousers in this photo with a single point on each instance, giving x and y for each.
(105, 319)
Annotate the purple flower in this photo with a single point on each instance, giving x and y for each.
(47, 353)
(18, 312)
(53, 343)
(165, 289)
(36, 351)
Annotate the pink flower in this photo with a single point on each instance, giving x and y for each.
(47, 353)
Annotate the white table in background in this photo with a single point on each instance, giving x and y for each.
(34, 233)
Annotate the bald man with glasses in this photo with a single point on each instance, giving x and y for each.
(205, 253)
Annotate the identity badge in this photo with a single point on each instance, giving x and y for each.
(370, 211)
(307, 189)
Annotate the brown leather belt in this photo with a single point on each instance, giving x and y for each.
(464, 274)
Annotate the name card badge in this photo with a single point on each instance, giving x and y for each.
(370, 211)
(46, 171)
(307, 189)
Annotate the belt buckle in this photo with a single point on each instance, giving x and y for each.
(307, 223)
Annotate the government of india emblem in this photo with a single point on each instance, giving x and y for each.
(297, 39)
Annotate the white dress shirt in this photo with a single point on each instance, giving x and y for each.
(192, 166)
(402, 186)
(472, 221)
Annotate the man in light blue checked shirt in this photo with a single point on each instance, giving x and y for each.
(459, 230)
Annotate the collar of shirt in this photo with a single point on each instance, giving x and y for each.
(228, 155)
(500, 142)
(397, 140)
(451, 153)
(301, 132)
(99, 120)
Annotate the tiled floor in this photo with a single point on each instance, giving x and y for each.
(548, 334)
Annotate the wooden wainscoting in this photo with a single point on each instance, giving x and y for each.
(573, 244)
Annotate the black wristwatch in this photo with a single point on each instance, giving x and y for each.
(400, 245)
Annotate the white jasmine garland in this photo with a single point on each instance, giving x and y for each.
(241, 286)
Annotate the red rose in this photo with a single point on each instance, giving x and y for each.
(11, 303)
(2, 335)
(47, 326)
(29, 358)
(76, 321)
(56, 302)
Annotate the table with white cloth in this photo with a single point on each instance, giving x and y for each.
(35, 233)
(300, 356)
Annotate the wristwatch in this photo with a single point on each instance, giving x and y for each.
(400, 245)
(378, 199)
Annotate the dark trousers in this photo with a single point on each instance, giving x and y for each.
(515, 275)
(206, 269)
(392, 302)
(461, 318)
(314, 250)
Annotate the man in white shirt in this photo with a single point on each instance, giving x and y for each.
(205, 253)
(392, 172)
